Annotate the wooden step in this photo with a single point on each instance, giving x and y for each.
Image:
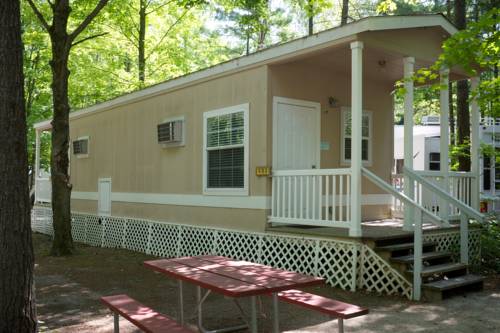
(403, 246)
(456, 282)
(426, 256)
(440, 269)
(446, 288)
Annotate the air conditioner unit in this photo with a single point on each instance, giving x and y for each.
(430, 120)
(170, 133)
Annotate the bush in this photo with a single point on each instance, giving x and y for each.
(490, 246)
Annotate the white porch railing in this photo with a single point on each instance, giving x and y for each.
(318, 197)
(43, 190)
(460, 188)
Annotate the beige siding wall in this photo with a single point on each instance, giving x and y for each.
(123, 146)
(313, 83)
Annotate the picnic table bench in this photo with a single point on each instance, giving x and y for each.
(234, 279)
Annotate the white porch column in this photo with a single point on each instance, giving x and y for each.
(36, 171)
(356, 124)
(409, 64)
(444, 105)
(474, 146)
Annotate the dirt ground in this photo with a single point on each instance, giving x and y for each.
(68, 291)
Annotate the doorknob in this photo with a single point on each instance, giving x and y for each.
(314, 167)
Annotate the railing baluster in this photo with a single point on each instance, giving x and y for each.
(334, 196)
(417, 255)
(307, 197)
(327, 199)
(341, 198)
(295, 197)
(348, 198)
(320, 196)
(283, 197)
(301, 202)
(289, 185)
(278, 196)
(313, 193)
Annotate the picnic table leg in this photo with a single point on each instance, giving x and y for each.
(276, 319)
(181, 303)
(253, 319)
(116, 323)
(341, 325)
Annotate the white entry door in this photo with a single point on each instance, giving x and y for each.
(104, 193)
(296, 134)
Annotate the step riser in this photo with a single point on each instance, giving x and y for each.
(393, 241)
(433, 295)
(440, 276)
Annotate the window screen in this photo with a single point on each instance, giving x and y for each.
(225, 150)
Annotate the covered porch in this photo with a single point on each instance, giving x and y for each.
(343, 177)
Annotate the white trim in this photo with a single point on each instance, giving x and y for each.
(214, 201)
(343, 160)
(294, 48)
(218, 112)
(88, 147)
(300, 102)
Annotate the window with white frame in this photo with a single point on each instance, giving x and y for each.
(366, 137)
(226, 150)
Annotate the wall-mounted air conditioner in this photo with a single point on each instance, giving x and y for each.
(431, 120)
(171, 132)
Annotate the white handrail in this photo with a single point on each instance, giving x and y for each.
(445, 196)
(399, 195)
(417, 234)
(312, 172)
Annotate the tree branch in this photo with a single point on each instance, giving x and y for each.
(88, 19)
(88, 38)
(39, 15)
(167, 32)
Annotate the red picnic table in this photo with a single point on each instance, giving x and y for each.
(231, 278)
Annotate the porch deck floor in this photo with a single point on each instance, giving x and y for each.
(377, 229)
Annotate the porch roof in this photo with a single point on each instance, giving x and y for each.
(271, 55)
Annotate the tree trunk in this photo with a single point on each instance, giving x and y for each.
(310, 16)
(17, 299)
(142, 42)
(463, 117)
(345, 12)
(59, 164)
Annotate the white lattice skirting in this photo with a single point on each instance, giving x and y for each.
(344, 264)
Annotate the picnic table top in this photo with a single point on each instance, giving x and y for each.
(233, 278)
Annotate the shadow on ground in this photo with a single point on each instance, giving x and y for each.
(68, 291)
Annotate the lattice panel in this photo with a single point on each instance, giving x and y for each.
(136, 235)
(239, 246)
(295, 254)
(197, 241)
(113, 232)
(78, 222)
(450, 241)
(42, 220)
(165, 240)
(375, 274)
(337, 263)
(347, 265)
(94, 230)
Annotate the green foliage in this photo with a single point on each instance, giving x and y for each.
(490, 246)
(475, 50)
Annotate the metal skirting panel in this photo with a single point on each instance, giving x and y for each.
(349, 265)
